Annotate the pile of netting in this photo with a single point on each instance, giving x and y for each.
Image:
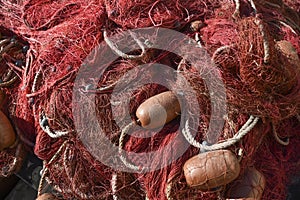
(254, 45)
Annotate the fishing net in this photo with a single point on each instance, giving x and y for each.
(13, 55)
(254, 45)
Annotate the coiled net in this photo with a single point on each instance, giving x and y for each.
(260, 72)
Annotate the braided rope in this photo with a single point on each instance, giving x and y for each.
(43, 121)
(121, 143)
(278, 139)
(253, 6)
(168, 191)
(45, 169)
(236, 12)
(251, 122)
(122, 54)
(265, 41)
(114, 186)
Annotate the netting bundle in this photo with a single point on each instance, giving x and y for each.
(255, 49)
(13, 54)
(169, 14)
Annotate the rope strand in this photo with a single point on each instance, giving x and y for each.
(122, 54)
(237, 137)
(114, 185)
(265, 41)
(236, 12)
(45, 127)
(121, 143)
(45, 169)
(280, 141)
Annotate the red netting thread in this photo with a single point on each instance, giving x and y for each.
(11, 59)
(61, 34)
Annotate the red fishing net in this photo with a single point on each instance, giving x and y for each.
(255, 46)
(13, 54)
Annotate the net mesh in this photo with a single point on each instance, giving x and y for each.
(259, 77)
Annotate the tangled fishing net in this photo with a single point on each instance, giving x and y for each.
(254, 44)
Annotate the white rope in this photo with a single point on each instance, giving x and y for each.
(114, 186)
(6, 48)
(198, 40)
(265, 41)
(8, 75)
(57, 153)
(35, 80)
(111, 86)
(108, 87)
(181, 64)
(219, 50)
(288, 26)
(2, 42)
(9, 82)
(122, 54)
(168, 191)
(28, 64)
(253, 6)
(237, 137)
(45, 169)
(280, 141)
(42, 180)
(237, 9)
(121, 143)
(75, 188)
(240, 154)
(45, 127)
(2, 47)
(265, 38)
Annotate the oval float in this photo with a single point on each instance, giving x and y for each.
(158, 110)
(212, 169)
